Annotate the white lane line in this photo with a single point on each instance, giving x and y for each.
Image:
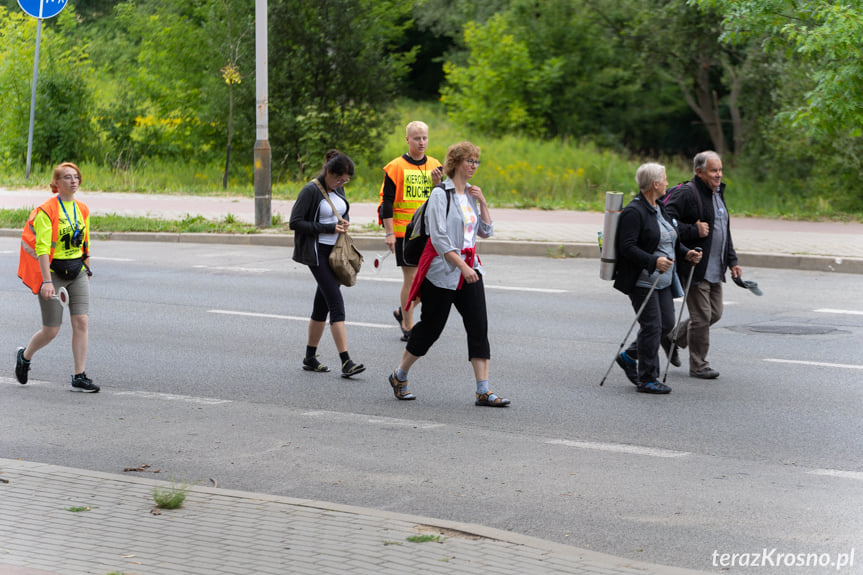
(173, 397)
(104, 259)
(814, 363)
(487, 286)
(295, 318)
(620, 448)
(858, 475)
(360, 418)
(841, 311)
(537, 290)
(233, 269)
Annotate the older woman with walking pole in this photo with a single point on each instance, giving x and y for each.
(647, 246)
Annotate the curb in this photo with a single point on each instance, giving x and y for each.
(489, 246)
(453, 527)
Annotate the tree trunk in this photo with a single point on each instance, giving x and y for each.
(706, 106)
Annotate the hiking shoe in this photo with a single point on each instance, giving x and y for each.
(629, 367)
(706, 373)
(22, 367)
(653, 387)
(81, 382)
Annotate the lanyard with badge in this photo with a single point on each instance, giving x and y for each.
(76, 240)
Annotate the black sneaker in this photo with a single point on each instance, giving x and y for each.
(81, 382)
(22, 367)
(653, 387)
(629, 366)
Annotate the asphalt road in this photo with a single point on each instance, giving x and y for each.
(198, 348)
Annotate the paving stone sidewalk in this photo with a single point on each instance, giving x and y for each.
(64, 521)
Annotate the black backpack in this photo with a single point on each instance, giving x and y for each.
(416, 235)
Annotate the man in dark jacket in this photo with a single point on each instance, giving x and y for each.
(703, 220)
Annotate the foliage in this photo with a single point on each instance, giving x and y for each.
(62, 129)
(501, 90)
(825, 37)
(332, 76)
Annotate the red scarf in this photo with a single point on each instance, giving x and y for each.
(429, 253)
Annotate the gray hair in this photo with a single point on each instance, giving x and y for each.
(701, 159)
(648, 174)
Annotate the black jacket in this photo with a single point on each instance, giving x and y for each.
(637, 239)
(693, 201)
(304, 222)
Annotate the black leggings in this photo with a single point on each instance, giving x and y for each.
(436, 304)
(328, 296)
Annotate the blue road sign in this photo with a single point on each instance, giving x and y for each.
(42, 8)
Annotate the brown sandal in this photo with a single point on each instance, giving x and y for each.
(489, 399)
(400, 388)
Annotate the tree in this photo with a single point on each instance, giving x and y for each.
(501, 90)
(826, 39)
(333, 74)
(62, 130)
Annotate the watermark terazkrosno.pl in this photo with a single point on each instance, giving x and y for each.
(775, 558)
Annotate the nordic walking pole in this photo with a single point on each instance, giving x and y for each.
(637, 315)
(679, 317)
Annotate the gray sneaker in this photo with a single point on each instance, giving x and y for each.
(22, 367)
(81, 382)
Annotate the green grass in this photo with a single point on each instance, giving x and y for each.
(515, 172)
(424, 538)
(15, 219)
(170, 497)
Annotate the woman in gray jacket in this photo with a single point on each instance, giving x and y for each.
(450, 273)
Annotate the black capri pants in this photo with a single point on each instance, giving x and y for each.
(436, 304)
(328, 296)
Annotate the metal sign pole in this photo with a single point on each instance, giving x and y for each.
(37, 9)
(263, 175)
(33, 96)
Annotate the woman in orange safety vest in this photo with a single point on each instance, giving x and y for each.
(53, 264)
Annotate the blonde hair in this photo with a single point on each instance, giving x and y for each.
(456, 154)
(58, 173)
(413, 125)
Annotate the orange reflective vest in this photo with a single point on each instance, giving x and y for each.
(413, 186)
(28, 261)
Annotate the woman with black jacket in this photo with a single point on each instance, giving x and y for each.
(316, 228)
(647, 246)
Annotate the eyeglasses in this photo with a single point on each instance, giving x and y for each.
(472, 162)
(71, 177)
(342, 180)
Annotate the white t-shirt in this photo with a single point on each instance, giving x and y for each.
(326, 216)
(470, 219)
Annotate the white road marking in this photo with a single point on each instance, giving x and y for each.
(540, 290)
(814, 363)
(173, 397)
(104, 259)
(487, 286)
(858, 475)
(360, 418)
(234, 269)
(295, 318)
(620, 448)
(842, 311)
